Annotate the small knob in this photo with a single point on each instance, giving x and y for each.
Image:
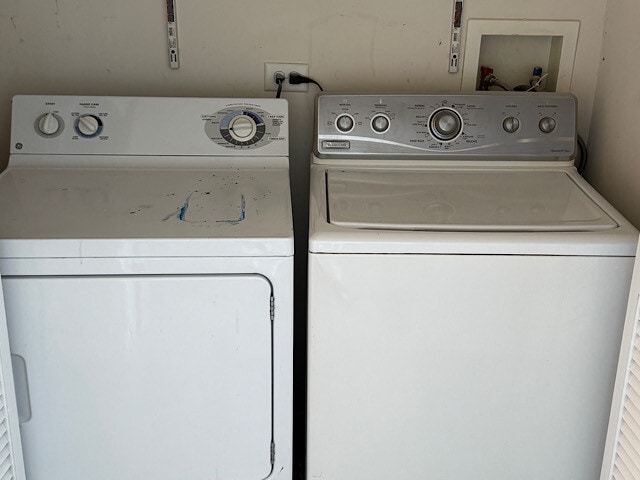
(547, 125)
(88, 125)
(380, 123)
(242, 127)
(344, 123)
(511, 124)
(445, 124)
(48, 124)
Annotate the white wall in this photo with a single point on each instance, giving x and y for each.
(614, 143)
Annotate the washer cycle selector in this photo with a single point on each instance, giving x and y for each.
(445, 124)
(88, 126)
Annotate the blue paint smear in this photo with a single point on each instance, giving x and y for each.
(242, 216)
(181, 212)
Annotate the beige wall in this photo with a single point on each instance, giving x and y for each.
(614, 144)
(119, 47)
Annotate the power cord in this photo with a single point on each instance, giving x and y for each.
(583, 155)
(279, 79)
(297, 79)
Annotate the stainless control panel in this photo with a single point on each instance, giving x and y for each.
(482, 125)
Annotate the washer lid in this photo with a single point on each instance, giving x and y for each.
(124, 212)
(481, 201)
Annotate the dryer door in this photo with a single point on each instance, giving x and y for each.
(145, 376)
(622, 450)
(11, 463)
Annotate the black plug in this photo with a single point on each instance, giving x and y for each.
(296, 79)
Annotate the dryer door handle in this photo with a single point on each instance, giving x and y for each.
(21, 383)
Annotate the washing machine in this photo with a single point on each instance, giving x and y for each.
(146, 252)
(467, 290)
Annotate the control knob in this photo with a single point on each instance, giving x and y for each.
(48, 124)
(344, 123)
(242, 127)
(445, 124)
(88, 126)
(511, 124)
(380, 123)
(547, 124)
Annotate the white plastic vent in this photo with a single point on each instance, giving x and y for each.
(626, 460)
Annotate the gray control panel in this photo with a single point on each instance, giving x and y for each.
(480, 125)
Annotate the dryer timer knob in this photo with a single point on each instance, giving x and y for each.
(242, 127)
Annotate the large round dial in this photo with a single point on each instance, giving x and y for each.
(88, 126)
(445, 124)
(242, 128)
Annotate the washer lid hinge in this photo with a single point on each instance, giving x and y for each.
(272, 307)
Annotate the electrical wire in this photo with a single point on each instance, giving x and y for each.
(279, 81)
(583, 155)
(297, 79)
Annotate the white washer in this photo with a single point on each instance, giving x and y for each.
(466, 291)
(146, 252)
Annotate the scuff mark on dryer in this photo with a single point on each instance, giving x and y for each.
(181, 211)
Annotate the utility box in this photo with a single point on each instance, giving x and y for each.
(512, 48)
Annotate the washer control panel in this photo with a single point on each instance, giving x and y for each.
(479, 125)
(149, 126)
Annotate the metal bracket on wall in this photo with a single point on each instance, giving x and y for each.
(454, 53)
(172, 32)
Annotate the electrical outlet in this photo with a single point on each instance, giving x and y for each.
(269, 76)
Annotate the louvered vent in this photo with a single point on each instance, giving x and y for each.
(6, 453)
(627, 450)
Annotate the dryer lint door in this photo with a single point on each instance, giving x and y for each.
(11, 461)
(622, 450)
(145, 376)
(461, 200)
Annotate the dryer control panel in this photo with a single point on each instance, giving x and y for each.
(479, 125)
(149, 126)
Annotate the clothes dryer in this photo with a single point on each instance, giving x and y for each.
(146, 252)
(466, 290)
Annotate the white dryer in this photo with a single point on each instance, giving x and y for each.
(146, 252)
(467, 291)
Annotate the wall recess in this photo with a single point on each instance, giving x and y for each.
(513, 47)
